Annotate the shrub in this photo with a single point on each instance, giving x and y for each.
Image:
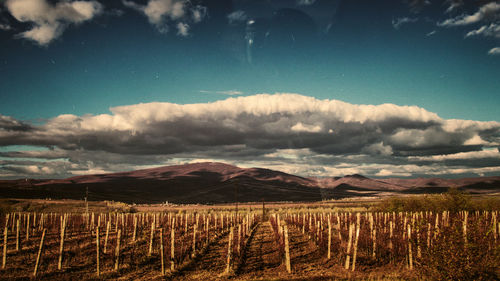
(454, 200)
(451, 258)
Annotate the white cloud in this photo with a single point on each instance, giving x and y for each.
(488, 11)
(430, 33)
(452, 125)
(460, 156)
(492, 30)
(290, 153)
(227, 92)
(182, 29)
(476, 140)
(494, 51)
(49, 21)
(90, 172)
(43, 34)
(416, 6)
(5, 27)
(384, 173)
(237, 17)
(397, 23)
(378, 149)
(305, 2)
(299, 127)
(36, 169)
(161, 13)
(199, 13)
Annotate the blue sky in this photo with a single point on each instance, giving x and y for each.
(85, 57)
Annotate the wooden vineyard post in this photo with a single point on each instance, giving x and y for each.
(428, 235)
(194, 240)
(13, 220)
(39, 252)
(495, 233)
(172, 247)
(4, 258)
(329, 239)
(348, 257)
(28, 227)
(287, 251)
(317, 231)
(464, 226)
(303, 223)
(151, 239)
(436, 226)
(338, 227)
(355, 245)
(161, 253)
(97, 252)
(207, 230)
(61, 246)
(17, 235)
(419, 248)
(33, 229)
(117, 251)
(230, 253)
(410, 254)
(391, 230)
(108, 225)
(239, 239)
(135, 228)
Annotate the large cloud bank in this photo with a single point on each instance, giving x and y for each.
(290, 132)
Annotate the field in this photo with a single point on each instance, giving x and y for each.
(314, 241)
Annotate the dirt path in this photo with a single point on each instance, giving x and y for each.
(305, 255)
(209, 264)
(262, 257)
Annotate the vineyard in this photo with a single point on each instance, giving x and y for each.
(286, 243)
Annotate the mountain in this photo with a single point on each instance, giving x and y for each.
(222, 183)
(191, 183)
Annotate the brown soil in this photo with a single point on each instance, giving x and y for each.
(262, 257)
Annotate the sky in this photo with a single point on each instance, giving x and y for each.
(320, 88)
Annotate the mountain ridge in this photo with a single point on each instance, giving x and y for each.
(214, 182)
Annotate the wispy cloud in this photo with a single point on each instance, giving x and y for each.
(416, 6)
(48, 20)
(237, 16)
(492, 30)
(289, 132)
(485, 12)
(397, 23)
(453, 5)
(227, 92)
(430, 33)
(488, 14)
(305, 2)
(494, 51)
